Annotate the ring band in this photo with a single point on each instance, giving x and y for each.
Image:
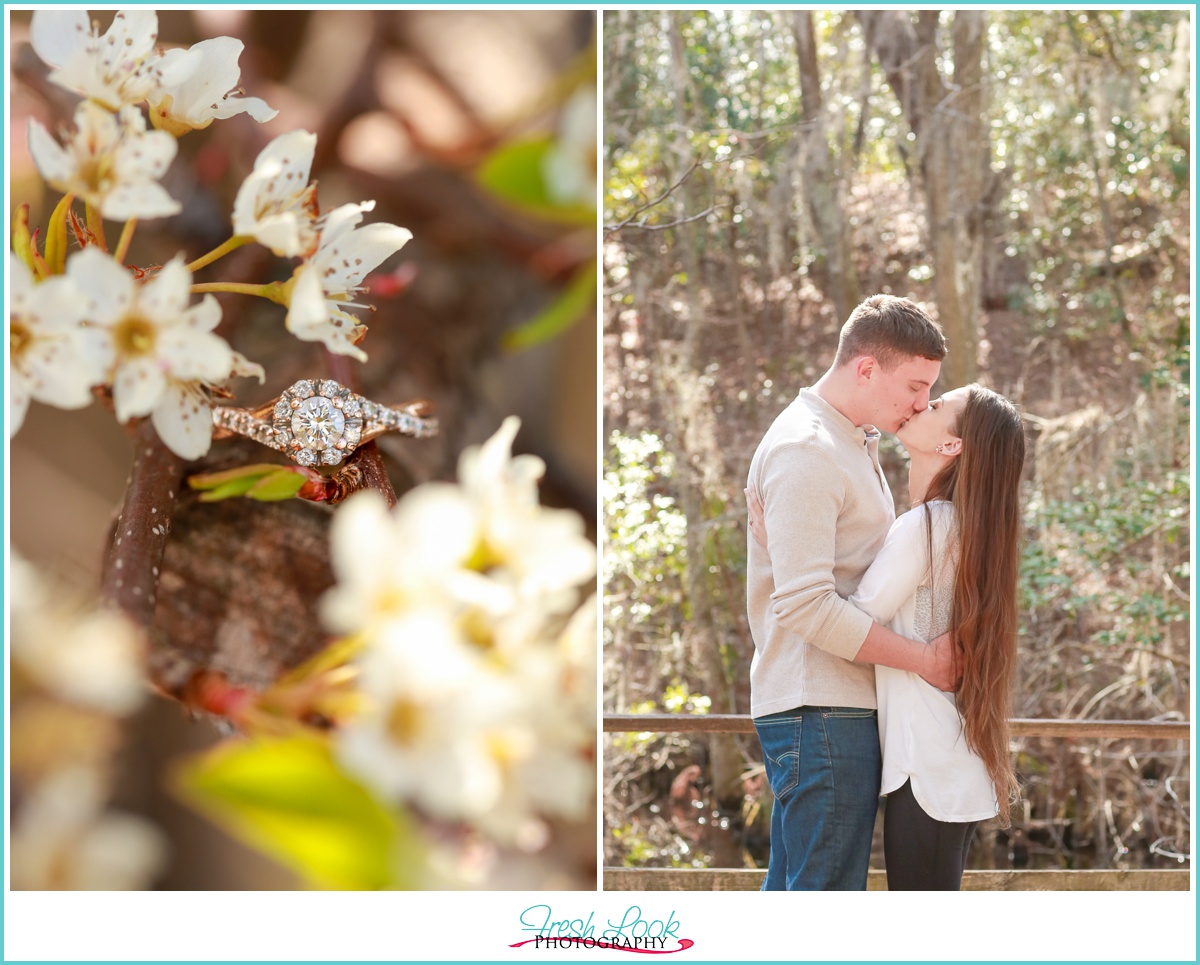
(320, 422)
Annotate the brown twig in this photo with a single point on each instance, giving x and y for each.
(130, 576)
(367, 461)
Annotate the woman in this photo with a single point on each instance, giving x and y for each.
(949, 562)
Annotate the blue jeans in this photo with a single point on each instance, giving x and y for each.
(823, 765)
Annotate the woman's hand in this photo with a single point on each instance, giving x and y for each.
(754, 509)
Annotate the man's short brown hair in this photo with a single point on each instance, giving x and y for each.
(890, 330)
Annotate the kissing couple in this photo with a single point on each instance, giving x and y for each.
(884, 646)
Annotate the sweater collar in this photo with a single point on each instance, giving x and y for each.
(858, 434)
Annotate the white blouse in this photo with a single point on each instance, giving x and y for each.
(920, 732)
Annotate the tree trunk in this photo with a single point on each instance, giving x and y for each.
(818, 176)
(971, 167)
(953, 160)
(688, 421)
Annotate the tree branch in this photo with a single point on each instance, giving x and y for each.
(645, 226)
(129, 580)
(657, 201)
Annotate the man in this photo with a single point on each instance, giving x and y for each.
(828, 509)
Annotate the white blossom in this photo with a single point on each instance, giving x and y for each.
(538, 554)
(329, 281)
(52, 358)
(377, 580)
(276, 206)
(423, 734)
(161, 350)
(63, 839)
(114, 70)
(111, 161)
(207, 93)
(480, 693)
(89, 657)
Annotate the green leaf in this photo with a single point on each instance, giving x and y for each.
(513, 174)
(211, 480)
(266, 482)
(576, 300)
(288, 799)
(282, 484)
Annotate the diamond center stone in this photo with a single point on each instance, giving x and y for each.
(317, 423)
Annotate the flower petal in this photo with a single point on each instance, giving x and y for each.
(175, 66)
(18, 401)
(183, 420)
(307, 311)
(276, 196)
(342, 220)
(142, 154)
(54, 164)
(57, 35)
(131, 36)
(138, 387)
(191, 355)
(164, 297)
(243, 368)
(256, 107)
(203, 95)
(145, 200)
(106, 287)
(285, 233)
(352, 257)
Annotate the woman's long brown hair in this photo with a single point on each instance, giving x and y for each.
(983, 484)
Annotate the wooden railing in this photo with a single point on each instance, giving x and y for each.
(1021, 726)
(738, 879)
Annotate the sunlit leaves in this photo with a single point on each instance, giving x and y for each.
(515, 175)
(645, 551)
(288, 798)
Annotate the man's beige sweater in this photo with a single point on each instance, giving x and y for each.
(828, 510)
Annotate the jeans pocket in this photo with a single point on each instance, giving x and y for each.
(848, 713)
(780, 740)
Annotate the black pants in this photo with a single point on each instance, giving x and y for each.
(922, 854)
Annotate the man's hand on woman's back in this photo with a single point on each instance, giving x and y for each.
(945, 663)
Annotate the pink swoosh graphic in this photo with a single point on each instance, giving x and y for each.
(684, 945)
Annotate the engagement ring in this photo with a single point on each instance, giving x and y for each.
(320, 422)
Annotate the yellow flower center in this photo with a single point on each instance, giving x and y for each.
(391, 601)
(485, 557)
(134, 335)
(405, 721)
(19, 337)
(96, 173)
(479, 629)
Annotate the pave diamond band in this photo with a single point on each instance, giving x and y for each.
(320, 422)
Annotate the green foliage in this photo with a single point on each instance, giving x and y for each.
(1093, 150)
(288, 799)
(678, 699)
(265, 482)
(515, 174)
(576, 301)
(645, 557)
(1085, 557)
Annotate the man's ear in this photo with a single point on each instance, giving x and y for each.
(864, 367)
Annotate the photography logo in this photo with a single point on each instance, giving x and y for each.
(632, 933)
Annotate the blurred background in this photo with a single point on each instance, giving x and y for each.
(448, 120)
(1026, 177)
